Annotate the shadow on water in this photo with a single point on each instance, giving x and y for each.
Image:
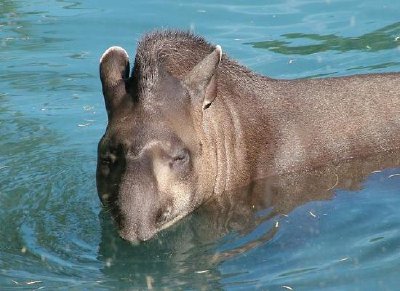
(381, 39)
(191, 253)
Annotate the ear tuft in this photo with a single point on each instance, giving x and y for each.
(114, 50)
(218, 49)
(114, 65)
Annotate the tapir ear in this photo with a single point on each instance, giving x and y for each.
(201, 79)
(114, 71)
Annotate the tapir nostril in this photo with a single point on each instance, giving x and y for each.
(162, 215)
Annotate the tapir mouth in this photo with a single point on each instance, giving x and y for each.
(172, 221)
(134, 238)
(136, 233)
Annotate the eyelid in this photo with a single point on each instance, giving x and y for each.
(180, 157)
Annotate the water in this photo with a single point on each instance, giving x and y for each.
(336, 229)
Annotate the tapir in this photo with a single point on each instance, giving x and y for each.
(188, 124)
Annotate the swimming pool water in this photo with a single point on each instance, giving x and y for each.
(343, 235)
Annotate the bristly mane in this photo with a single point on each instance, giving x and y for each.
(177, 52)
(167, 41)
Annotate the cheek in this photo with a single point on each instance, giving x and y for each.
(176, 186)
(163, 176)
(181, 193)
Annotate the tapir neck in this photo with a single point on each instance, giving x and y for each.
(236, 126)
(265, 127)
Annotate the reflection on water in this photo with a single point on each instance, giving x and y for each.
(227, 229)
(385, 38)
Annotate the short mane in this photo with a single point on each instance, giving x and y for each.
(177, 52)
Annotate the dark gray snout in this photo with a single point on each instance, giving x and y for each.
(136, 228)
(142, 208)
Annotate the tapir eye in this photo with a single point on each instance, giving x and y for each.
(180, 159)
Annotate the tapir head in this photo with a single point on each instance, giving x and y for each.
(151, 160)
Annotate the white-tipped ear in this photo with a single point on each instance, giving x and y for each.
(218, 49)
(201, 79)
(114, 71)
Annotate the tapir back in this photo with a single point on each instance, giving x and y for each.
(324, 120)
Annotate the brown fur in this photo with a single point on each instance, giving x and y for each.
(251, 126)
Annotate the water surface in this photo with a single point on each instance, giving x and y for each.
(337, 228)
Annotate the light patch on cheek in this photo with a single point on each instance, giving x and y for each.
(161, 172)
(180, 192)
(177, 190)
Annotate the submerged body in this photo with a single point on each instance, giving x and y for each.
(190, 124)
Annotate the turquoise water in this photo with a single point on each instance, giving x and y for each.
(335, 229)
